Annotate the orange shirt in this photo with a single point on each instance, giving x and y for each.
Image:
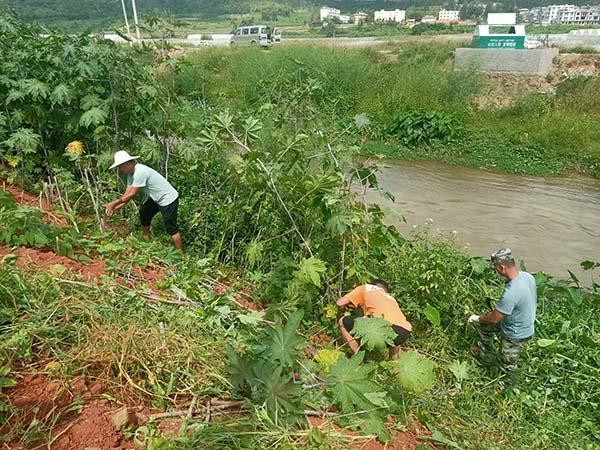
(375, 302)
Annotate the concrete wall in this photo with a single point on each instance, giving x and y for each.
(531, 62)
(578, 38)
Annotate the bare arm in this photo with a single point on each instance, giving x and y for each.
(343, 302)
(494, 317)
(130, 192)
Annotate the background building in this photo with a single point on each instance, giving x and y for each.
(448, 15)
(397, 15)
(584, 15)
(328, 13)
(562, 15)
(360, 17)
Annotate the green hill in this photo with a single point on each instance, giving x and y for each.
(93, 13)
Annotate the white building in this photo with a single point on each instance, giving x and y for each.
(344, 19)
(562, 14)
(328, 13)
(397, 15)
(360, 17)
(584, 15)
(448, 16)
(428, 19)
(554, 12)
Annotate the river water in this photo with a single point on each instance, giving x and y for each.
(551, 223)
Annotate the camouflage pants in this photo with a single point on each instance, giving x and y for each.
(509, 350)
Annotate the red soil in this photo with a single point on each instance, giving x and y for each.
(34, 259)
(31, 258)
(241, 298)
(24, 198)
(39, 398)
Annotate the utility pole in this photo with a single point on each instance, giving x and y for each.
(125, 16)
(135, 19)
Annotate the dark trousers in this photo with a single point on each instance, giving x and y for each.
(169, 214)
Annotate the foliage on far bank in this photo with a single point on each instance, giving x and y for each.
(537, 134)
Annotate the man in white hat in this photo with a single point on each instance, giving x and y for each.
(162, 197)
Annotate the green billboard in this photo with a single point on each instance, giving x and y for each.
(503, 41)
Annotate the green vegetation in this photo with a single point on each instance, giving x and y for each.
(266, 150)
(537, 133)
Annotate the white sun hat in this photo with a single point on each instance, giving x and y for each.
(122, 157)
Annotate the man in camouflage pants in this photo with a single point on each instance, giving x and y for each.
(512, 320)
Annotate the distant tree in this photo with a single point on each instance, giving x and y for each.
(329, 30)
(471, 11)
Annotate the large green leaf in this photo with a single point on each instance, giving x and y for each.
(239, 369)
(283, 343)
(373, 332)
(350, 380)
(275, 388)
(14, 95)
(432, 314)
(310, 271)
(61, 95)
(412, 372)
(36, 89)
(90, 101)
(24, 139)
(338, 224)
(94, 116)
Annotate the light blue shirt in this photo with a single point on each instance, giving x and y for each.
(518, 304)
(153, 184)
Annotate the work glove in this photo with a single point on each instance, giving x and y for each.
(474, 318)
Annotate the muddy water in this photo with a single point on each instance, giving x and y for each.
(551, 223)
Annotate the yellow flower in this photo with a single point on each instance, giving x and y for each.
(75, 147)
(330, 311)
(326, 358)
(13, 161)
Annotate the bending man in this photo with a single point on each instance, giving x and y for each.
(375, 301)
(513, 319)
(162, 197)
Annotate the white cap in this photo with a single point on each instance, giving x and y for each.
(122, 157)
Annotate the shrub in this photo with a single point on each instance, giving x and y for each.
(423, 128)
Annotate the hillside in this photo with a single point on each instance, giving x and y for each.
(104, 12)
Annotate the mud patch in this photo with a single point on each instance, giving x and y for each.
(23, 198)
(33, 259)
(70, 416)
(93, 427)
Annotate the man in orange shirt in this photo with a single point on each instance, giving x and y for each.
(375, 301)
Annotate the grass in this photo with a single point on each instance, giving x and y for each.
(162, 354)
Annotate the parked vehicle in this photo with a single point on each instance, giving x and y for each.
(253, 35)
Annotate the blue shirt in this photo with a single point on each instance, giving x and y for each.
(153, 184)
(518, 304)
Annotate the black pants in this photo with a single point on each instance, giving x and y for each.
(402, 334)
(169, 214)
